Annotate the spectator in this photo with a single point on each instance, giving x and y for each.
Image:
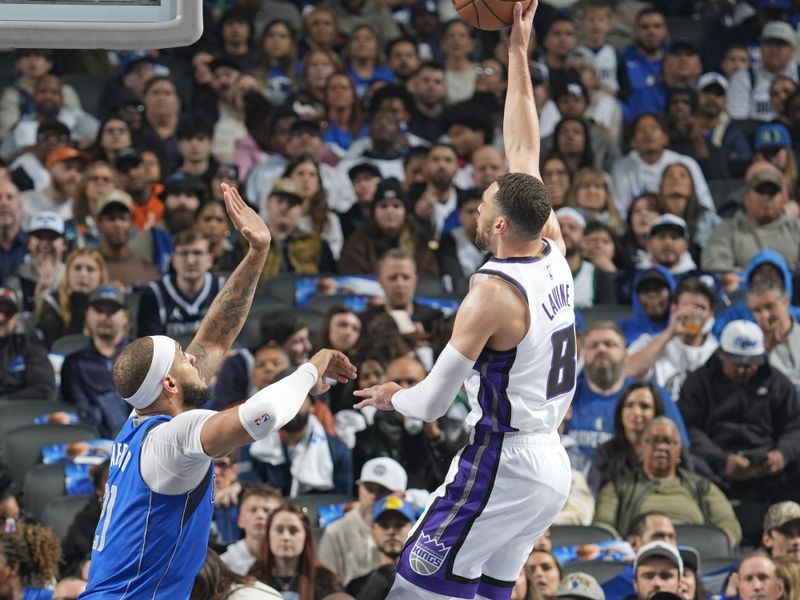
(294, 249)
(657, 568)
(487, 165)
(162, 108)
(236, 37)
(397, 275)
(644, 209)
(668, 246)
(593, 286)
(559, 39)
(596, 23)
(430, 92)
(347, 546)
(114, 224)
(147, 208)
(690, 498)
(276, 56)
(618, 458)
(469, 128)
(557, 178)
(296, 462)
(365, 178)
(716, 125)
(458, 254)
(641, 169)
(435, 202)
(194, 145)
(62, 313)
(402, 58)
(743, 421)
(42, 271)
(604, 109)
(758, 578)
(677, 196)
(182, 195)
(546, 572)
(769, 303)
(781, 532)
(77, 544)
(211, 220)
(737, 239)
(115, 134)
(215, 581)
(13, 241)
(684, 346)
(681, 66)
(318, 65)
(749, 88)
(572, 141)
(227, 488)
(345, 117)
(773, 144)
(287, 559)
(653, 290)
(459, 70)
(591, 196)
(644, 529)
(340, 330)
(600, 246)
(392, 519)
(642, 87)
(86, 378)
(48, 101)
(779, 91)
(385, 145)
(97, 180)
(256, 504)
(65, 165)
(175, 304)
(601, 385)
(248, 371)
(231, 128)
(289, 332)
(29, 558)
(69, 588)
(363, 54)
(28, 171)
(352, 13)
(136, 68)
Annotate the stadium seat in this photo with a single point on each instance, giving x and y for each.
(43, 483)
(18, 413)
(600, 570)
(22, 447)
(606, 312)
(574, 535)
(709, 541)
(711, 565)
(60, 512)
(280, 287)
(67, 344)
(322, 304)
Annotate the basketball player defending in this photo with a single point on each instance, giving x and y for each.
(515, 330)
(153, 531)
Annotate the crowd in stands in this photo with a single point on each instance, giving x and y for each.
(365, 133)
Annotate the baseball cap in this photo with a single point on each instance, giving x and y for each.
(706, 80)
(65, 153)
(682, 90)
(690, 558)
(743, 342)
(181, 183)
(363, 167)
(130, 59)
(389, 189)
(570, 88)
(681, 46)
(772, 135)
(580, 585)
(384, 471)
(286, 188)
(424, 6)
(780, 514)
(52, 126)
(581, 53)
(127, 158)
(306, 125)
(107, 293)
(777, 30)
(46, 221)
(652, 278)
(567, 212)
(669, 222)
(9, 298)
(223, 61)
(393, 504)
(115, 197)
(766, 177)
(659, 549)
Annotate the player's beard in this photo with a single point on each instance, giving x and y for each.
(483, 237)
(195, 396)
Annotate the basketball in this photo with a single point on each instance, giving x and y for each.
(490, 15)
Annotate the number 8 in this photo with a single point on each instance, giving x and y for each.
(561, 378)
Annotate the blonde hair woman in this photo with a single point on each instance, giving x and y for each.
(591, 195)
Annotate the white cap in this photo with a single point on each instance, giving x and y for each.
(47, 220)
(743, 342)
(707, 79)
(669, 222)
(778, 30)
(567, 212)
(384, 471)
(659, 549)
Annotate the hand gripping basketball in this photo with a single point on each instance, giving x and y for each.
(490, 15)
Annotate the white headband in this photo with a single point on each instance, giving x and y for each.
(163, 355)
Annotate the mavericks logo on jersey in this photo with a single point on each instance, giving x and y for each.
(427, 555)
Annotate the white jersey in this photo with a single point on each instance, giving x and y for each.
(529, 388)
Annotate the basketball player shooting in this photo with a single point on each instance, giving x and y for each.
(515, 331)
(153, 531)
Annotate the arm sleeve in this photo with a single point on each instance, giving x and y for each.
(172, 460)
(431, 397)
(275, 405)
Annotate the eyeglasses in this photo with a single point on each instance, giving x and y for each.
(485, 71)
(658, 441)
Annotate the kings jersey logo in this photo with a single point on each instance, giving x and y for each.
(427, 555)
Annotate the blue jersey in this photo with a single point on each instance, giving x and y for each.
(147, 545)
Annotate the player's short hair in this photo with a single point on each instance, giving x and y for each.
(694, 285)
(598, 325)
(639, 523)
(132, 365)
(260, 491)
(525, 202)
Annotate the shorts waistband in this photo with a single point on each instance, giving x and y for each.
(517, 438)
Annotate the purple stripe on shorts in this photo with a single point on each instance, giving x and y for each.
(494, 368)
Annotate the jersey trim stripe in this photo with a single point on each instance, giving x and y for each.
(175, 549)
(144, 544)
(506, 277)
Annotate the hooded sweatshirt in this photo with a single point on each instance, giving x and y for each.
(640, 323)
